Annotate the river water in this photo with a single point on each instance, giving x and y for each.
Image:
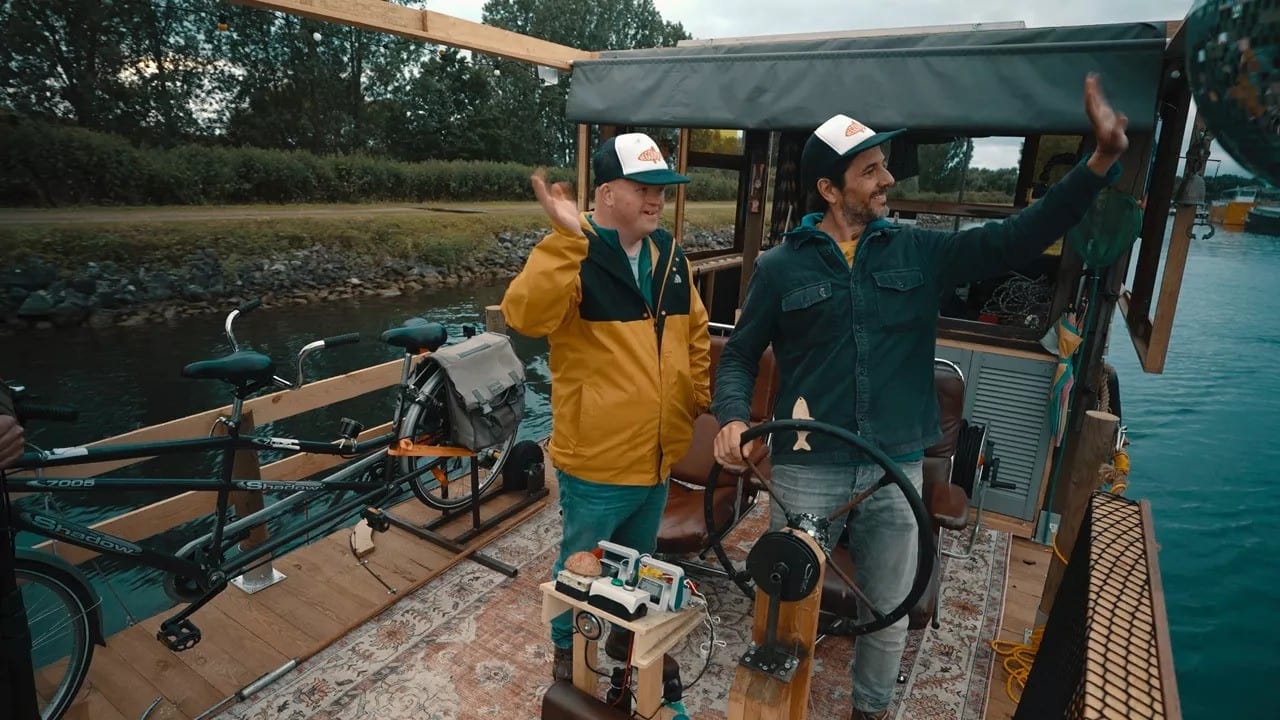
(1203, 439)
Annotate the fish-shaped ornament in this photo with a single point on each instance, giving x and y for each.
(801, 412)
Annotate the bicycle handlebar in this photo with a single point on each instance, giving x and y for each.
(39, 411)
(329, 342)
(339, 340)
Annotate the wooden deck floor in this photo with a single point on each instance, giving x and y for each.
(1028, 565)
(327, 593)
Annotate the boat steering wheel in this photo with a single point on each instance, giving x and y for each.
(815, 526)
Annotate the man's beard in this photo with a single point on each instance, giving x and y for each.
(859, 215)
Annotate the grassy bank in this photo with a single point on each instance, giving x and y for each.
(69, 239)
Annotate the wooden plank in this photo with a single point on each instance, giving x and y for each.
(267, 409)
(127, 689)
(275, 629)
(715, 265)
(1016, 527)
(1028, 563)
(1175, 264)
(93, 706)
(1164, 644)
(227, 657)
(430, 26)
(184, 687)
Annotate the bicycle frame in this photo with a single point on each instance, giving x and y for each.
(362, 475)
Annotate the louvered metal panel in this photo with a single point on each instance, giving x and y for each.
(1011, 396)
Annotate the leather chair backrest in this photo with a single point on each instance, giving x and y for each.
(949, 384)
(765, 393)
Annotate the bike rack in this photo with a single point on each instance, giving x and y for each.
(457, 543)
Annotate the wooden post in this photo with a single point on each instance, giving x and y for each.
(682, 167)
(584, 166)
(753, 213)
(245, 467)
(756, 696)
(1092, 447)
(494, 320)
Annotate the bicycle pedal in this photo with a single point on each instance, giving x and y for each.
(178, 635)
(376, 519)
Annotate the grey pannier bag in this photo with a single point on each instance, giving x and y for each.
(485, 382)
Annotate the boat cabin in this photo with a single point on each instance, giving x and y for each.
(952, 88)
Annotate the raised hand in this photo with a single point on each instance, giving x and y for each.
(557, 201)
(1108, 125)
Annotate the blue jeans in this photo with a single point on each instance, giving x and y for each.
(590, 512)
(883, 541)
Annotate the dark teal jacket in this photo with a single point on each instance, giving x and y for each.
(858, 343)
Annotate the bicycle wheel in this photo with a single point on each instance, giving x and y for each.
(446, 484)
(59, 623)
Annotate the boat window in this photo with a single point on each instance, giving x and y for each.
(716, 142)
(958, 183)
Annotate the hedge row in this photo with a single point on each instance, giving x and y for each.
(45, 165)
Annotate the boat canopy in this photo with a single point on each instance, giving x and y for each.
(978, 82)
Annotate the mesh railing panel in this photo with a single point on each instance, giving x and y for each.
(1105, 651)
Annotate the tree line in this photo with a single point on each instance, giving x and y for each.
(164, 73)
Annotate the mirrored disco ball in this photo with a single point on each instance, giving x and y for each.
(1233, 66)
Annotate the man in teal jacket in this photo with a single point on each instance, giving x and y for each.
(849, 302)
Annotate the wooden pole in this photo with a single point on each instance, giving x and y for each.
(1092, 447)
(494, 320)
(584, 166)
(682, 167)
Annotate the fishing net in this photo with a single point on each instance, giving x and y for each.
(1107, 230)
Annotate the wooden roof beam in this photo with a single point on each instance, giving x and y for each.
(430, 26)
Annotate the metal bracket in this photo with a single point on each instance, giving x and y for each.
(259, 578)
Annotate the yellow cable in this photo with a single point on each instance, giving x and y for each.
(1018, 658)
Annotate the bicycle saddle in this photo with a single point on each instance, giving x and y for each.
(417, 335)
(238, 368)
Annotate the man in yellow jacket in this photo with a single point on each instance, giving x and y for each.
(630, 355)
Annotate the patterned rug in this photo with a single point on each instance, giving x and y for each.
(471, 644)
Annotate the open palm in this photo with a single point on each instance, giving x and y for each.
(1108, 125)
(556, 200)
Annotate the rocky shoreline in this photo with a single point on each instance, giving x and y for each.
(38, 296)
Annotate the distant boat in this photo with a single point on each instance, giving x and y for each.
(1232, 212)
(1263, 220)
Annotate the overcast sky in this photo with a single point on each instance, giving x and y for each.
(735, 18)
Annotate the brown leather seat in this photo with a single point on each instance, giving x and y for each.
(684, 527)
(946, 503)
